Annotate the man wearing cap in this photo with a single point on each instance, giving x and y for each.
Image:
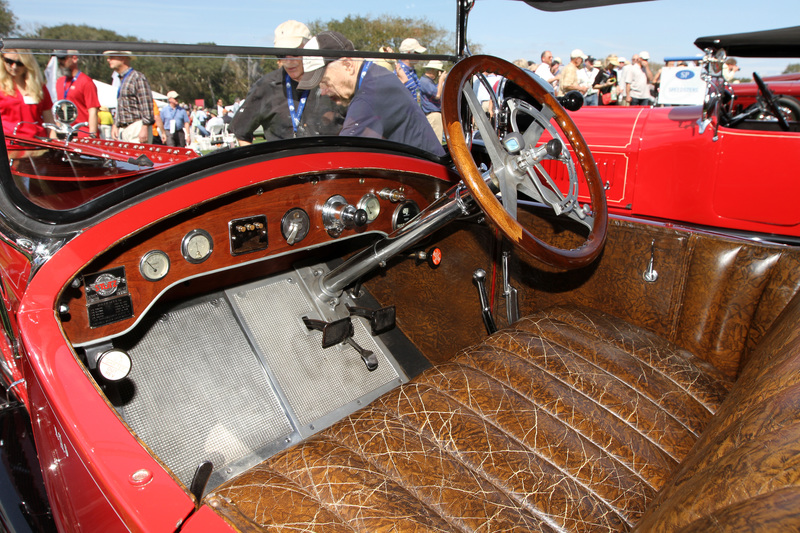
(134, 100)
(405, 67)
(378, 105)
(570, 80)
(176, 121)
(278, 105)
(78, 88)
(430, 91)
(636, 79)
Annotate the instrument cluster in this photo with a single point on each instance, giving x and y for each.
(257, 225)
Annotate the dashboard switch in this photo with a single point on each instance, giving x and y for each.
(248, 234)
(338, 215)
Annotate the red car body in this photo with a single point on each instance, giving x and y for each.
(99, 475)
(659, 163)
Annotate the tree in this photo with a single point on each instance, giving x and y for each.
(93, 64)
(8, 21)
(792, 68)
(389, 30)
(193, 77)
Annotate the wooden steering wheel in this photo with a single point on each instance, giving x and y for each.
(516, 161)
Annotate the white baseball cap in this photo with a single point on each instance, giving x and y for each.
(578, 53)
(291, 34)
(411, 46)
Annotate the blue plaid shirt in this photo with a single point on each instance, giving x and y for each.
(413, 80)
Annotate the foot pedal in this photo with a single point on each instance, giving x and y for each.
(380, 320)
(341, 331)
(333, 333)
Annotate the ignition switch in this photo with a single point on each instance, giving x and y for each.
(337, 215)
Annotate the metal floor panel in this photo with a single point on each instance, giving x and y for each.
(233, 378)
(315, 381)
(200, 391)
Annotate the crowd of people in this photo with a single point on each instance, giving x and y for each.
(307, 95)
(609, 81)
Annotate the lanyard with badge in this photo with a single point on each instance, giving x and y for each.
(71, 83)
(364, 69)
(295, 111)
(173, 126)
(122, 80)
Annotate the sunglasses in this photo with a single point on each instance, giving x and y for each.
(11, 62)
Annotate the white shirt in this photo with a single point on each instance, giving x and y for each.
(543, 71)
(586, 77)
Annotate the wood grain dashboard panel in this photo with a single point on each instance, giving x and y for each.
(271, 199)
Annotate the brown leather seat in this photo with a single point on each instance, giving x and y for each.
(570, 419)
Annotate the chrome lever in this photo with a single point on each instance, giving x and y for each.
(651, 275)
(479, 277)
(509, 292)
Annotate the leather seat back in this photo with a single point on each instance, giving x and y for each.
(744, 471)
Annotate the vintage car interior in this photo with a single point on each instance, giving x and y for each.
(339, 334)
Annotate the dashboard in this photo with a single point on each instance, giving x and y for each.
(231, 234)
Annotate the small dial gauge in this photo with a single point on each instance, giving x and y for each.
(197, 246)
(371, 204)
(404, 213)
(154, 265)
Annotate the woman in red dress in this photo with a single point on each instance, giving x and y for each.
(25, 103)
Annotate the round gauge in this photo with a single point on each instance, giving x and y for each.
(404, 213)
(154, 265)
(371, 204)
(197, 246)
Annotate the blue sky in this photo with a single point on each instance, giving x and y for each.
(506, 28)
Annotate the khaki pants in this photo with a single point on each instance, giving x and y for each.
(130, 133)
(435, 120)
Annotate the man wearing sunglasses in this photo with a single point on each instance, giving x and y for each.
(276, 104)
(134, 100)
(78, 88)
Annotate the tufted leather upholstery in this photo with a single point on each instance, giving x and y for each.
(569, 419)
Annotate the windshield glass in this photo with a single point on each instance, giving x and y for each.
(97, 118)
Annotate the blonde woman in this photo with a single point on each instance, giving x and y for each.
(24, 100)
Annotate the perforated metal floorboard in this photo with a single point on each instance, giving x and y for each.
(235, 377)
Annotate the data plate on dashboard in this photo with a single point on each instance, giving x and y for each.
(248, 234)
(107, 297)
(110, 311)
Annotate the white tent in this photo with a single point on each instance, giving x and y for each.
(107, 94)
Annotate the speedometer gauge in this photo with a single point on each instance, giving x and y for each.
(404, 213)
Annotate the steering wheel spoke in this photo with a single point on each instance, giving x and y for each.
(492, 143)
(771, 102)
(508, 193)
(517, 163)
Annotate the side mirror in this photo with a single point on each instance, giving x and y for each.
(65, 112)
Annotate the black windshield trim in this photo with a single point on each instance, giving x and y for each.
(14, 202)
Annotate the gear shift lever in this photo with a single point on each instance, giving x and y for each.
(479, 277)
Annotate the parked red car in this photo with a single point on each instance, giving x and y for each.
(687, 164)
(288, 336)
